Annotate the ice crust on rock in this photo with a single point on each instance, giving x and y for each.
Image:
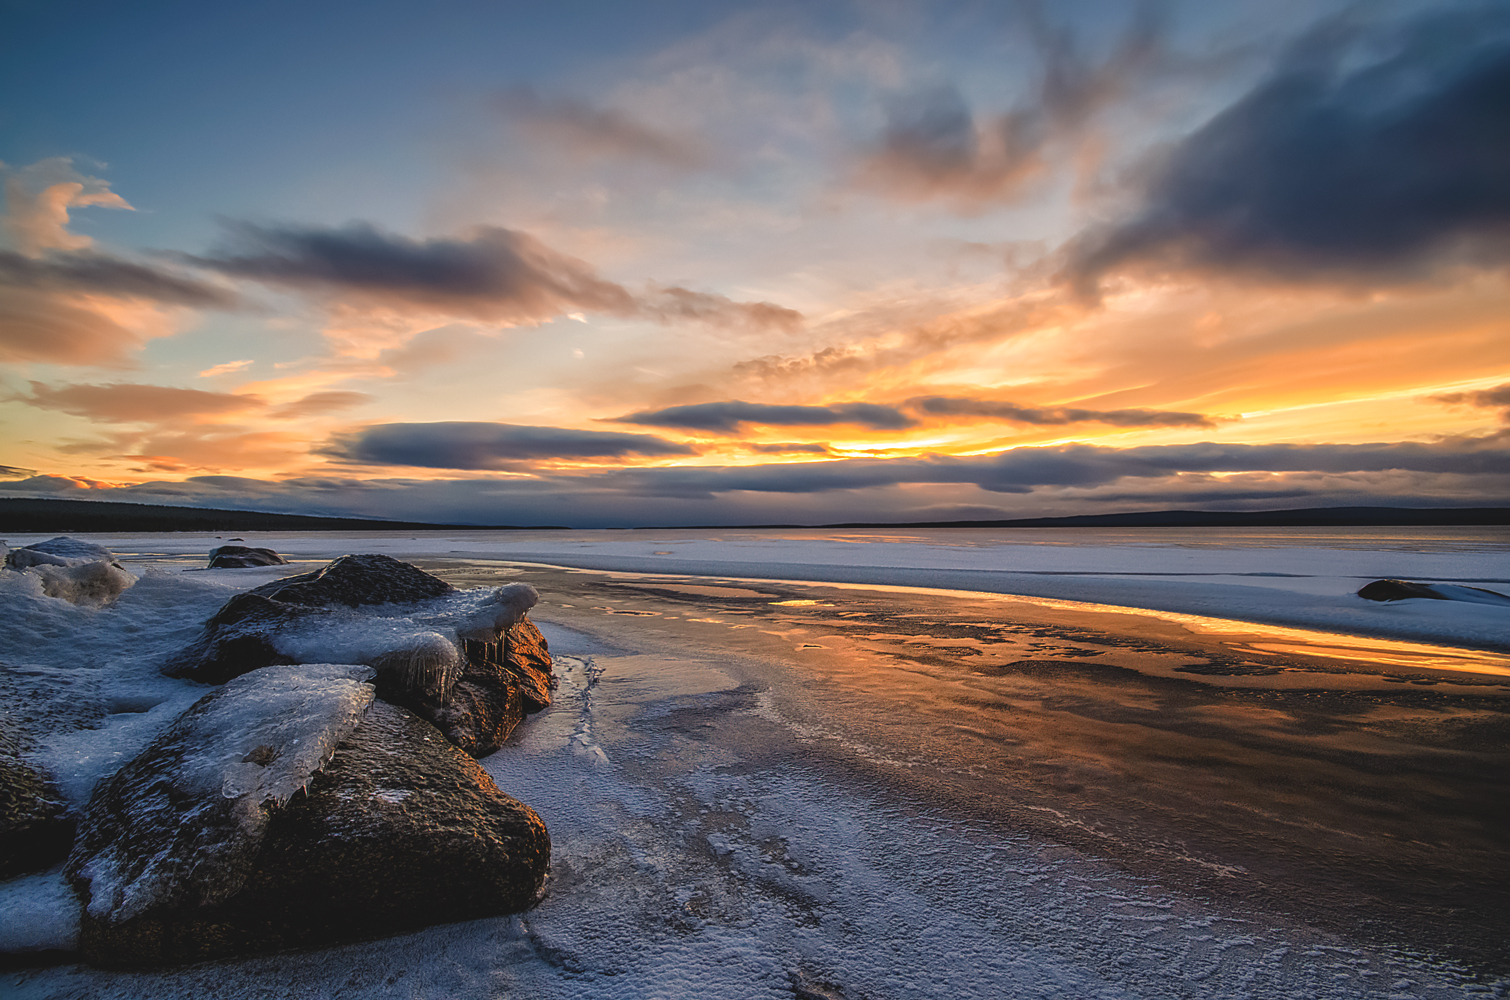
(71, 570)
(179, 824)
(498, 612)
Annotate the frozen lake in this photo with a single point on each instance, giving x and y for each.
(760, 785)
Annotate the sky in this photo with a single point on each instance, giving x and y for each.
(715, 263)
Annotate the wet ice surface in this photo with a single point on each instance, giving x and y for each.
(711, 841)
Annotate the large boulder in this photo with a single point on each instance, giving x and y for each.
(474, 666)
(60, 551)
(398, 830)
(176, 828)
(243, 557)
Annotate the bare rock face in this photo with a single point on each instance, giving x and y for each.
(243, 557)
(354, 581)
(398, 830)
(36, 829)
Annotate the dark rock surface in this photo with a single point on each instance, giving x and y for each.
(1400, 590)
(177, 827)
(36, 829)
(354, 581)
(399, 830)
(243, 557)
(504, 680)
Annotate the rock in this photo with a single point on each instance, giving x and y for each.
(479, 717)
(354, 581)
(504, 680)
(235, 640)
(519, 655)
(177, 828)
(243, 557)
(72, 570)
(1400, 590)
(474, 672)
(399, 830)
(36, 829)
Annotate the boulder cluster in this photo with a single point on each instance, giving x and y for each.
(308, 799)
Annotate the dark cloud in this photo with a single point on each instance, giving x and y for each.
(935, 145)
(1024, 470)
(1496, 398)
(602, 132)
(496, 275)
(727, 417)
(124, 402)
(672, 304)
(13, 472)
(1369, 154)
(317, 403)
(46, 315)
(101, 274)
(788, 448)
(959, 406)
(476, 445)
(493, 275)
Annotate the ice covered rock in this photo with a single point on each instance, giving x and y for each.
(399, 830)
(60, 551)
(243, 557)
(178, 827)
(495, 615)
(236, 639)
(72, 570)
(354, 581)
(1400, 590)
(36, 829)
(473, 666)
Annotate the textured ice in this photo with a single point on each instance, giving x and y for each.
(178, 824)
(70, 569)
(501, 609)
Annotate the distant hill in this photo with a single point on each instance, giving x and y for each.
(26, 515)
(1306, 517)
(30, 516)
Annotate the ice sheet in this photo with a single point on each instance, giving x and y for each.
(1299, 577)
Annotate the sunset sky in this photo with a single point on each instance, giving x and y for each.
(699, 263)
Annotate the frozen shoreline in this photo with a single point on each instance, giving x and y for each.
(709, 842)
(1305, 578)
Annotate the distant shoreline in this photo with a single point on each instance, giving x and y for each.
(25, 515)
